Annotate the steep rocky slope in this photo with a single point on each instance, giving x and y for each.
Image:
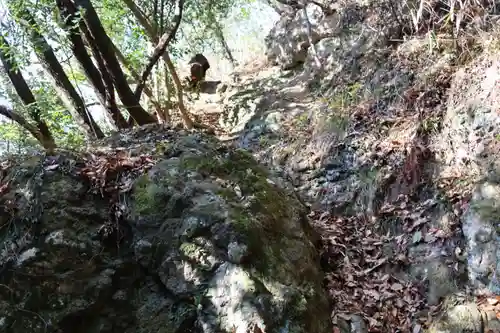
(385, 118)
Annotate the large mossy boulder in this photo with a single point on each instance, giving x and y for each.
(158, 231)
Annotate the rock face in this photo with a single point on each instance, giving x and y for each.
(470, 137)
(389, 129)
(289, 40)
(480, 225)
(174, 233)
(470, 141)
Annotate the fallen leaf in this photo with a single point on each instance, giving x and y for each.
(372, 293)
(430, 238)
(373, 322)
(417, 237)
(440, 234)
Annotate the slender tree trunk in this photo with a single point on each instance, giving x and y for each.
(41, 132)
(161, 47)
(227, 51)
(68, 94)
(156, 81)
(167, 103)
(140, 16)
(138, 13)
(180, 98)
(137, 78)
(105, 93)
(178, 85)
(106, 78)
(310, 39)
(156, 87)
(47, 143)
(156, 28)
(104, 44)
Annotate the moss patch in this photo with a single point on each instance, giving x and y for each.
(144, 196)
(150, 194)
(263, 218)
(265, 214)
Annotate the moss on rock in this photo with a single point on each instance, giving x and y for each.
(267, 216)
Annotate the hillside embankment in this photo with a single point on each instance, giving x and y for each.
(385, 117)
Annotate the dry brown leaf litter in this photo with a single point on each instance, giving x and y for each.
(358, 281)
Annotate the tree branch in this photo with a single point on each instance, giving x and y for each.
(41, 132)
(160, 48)
(9, 113)
(47, 143)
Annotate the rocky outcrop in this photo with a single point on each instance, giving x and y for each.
(480, 225)
(394, 130)
(470, 137)
(465, 318)
(289, 40)
(157, 230)
(469, 145)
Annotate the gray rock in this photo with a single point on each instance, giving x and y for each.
(468, 137)
(464, 318)
(290, 38)
(205, 241)
(479, 224)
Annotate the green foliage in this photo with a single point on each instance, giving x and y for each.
(76, 76)
(244, 13)
(66, 133)
(126, 33)
(201, 29)
(202, 23)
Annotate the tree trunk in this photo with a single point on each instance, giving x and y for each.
(104, 44)
(104, 92)
(161, 47)
(227, 51)
(47, 143)
(167, 103)
(139, 14)
(178, 85)
(137, 78)
(106, 77)
(310, 39)
(41, 132)
(180, 98)
(68, 94)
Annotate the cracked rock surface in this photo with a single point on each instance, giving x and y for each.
(155, 230)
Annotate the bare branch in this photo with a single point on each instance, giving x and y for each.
(46, 142)
(160, 48)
